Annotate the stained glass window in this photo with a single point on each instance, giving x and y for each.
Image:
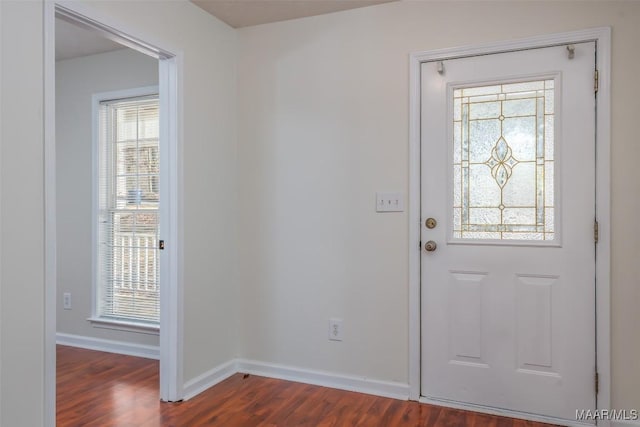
(503, 161)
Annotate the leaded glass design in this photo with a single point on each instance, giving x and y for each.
(503, 161)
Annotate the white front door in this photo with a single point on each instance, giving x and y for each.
(508, 175)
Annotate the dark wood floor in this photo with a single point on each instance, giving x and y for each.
(103, 389)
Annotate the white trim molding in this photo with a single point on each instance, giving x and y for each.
(118, 325)
(109, 346)
(210, 378)
(602, 37)
(50, 285)
(394, 390)
(172, 230)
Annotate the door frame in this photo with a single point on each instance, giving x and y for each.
(170, 87)
(602, 37)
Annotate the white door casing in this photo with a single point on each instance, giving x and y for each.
(170, 84)
(510, 324)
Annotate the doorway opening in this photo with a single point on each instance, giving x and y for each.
(146, 300)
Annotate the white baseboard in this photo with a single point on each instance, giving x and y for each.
(308, 376)
(109, 346)
(209, 379)
(365, 385)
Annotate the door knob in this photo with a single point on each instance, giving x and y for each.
(431, 223)
(430, 246)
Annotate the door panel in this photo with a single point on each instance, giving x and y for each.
(508, 172)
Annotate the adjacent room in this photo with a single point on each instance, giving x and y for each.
(331, 212)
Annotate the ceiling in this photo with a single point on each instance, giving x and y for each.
(73, 41)
(243, 13)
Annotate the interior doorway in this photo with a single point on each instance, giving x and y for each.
(107, 163)
(163, 186)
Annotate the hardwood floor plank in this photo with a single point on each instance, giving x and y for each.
(102, 390)
(484, 420)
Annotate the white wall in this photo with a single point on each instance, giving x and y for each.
(21, 215)
(76, 81)
(323, 125)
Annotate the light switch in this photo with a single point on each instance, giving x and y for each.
(389, 202)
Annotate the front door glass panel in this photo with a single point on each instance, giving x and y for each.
(503, 162)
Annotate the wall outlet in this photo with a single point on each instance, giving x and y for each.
(66, 300)
(335, 329)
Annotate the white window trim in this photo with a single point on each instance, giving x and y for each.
(96, 320)
(124, 325)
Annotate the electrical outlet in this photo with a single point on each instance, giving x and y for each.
(66, 300)
(335, 329)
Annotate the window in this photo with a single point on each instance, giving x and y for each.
(127, 259)
(503, 161)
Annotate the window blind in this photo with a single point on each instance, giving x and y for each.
(128, 286)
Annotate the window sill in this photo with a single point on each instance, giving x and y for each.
(124, 325)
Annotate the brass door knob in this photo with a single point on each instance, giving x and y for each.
(430, 246)
(431, 223)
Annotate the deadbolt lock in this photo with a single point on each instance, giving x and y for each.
(431, 223)
(430, 246)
